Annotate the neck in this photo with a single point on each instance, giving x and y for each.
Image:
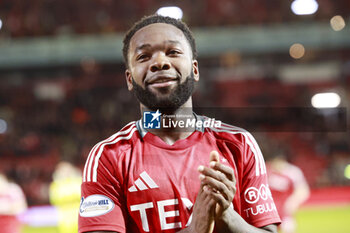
(171, 123)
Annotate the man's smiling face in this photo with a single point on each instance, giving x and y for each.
(161, 69)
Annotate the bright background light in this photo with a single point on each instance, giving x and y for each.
(347, 171)
(3, 126)
(0, 23)
(297, 51)
(325, 100)
(304, 7)
(337, 23)
(171, 11)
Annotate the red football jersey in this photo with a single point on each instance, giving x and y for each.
(135, 182)
(282, 185)
(10, 196)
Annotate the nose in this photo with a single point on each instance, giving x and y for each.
(160, 62)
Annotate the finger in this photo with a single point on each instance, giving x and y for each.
(228, 171)
(214, 156)
(208, 198)
(218, 198)
(220, 176)
(216, 185)
(204, 197)
(215, 163)
(205, 202)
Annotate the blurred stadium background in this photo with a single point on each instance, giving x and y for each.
(62, 87)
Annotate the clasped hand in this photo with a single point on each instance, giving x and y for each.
(217, 190)
(218, 182)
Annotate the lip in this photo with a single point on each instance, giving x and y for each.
(161, 80)
(163, 83)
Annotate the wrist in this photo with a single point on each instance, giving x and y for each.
(201, 227)
(224, 214)
(224, 221)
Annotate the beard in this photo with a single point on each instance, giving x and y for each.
(169, 104)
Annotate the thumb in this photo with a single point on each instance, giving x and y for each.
(214, 156)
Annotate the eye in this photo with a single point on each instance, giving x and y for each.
(173, 52)
(142, 57)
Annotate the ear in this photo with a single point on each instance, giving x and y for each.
(195, 70)
(128, 78)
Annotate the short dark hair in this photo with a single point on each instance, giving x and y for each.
(147, 20)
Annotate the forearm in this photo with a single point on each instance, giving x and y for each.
(11, 208)
(232, 222)
(5, 207)
(299, 196)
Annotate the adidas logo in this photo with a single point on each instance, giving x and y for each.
(143, 183)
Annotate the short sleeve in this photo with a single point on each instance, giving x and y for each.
(258, 206)
(102, 205)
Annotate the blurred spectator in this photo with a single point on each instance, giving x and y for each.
(12, 203)
(65, 195)
(46, 18)
(288, 187)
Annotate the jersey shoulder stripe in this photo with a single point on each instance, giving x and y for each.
(223, 126)
(260, 167)
(91, 165)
